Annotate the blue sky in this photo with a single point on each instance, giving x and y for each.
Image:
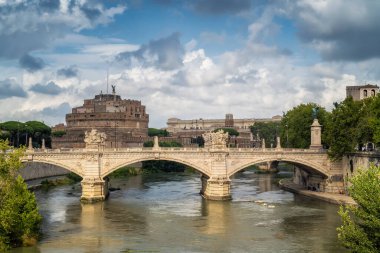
(184, 59)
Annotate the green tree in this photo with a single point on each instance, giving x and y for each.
(167, 166)
(157, 132)
(371, 119)
(342, 132)
(39, 131)
(19, 216)
(360, 231)
(295, 125)
(15, 130)
(19, 132)
(4, 135)
(267, 131)
(58, 133)
(230, 131)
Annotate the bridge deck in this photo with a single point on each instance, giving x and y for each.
(150, 149)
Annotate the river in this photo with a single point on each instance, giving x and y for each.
(165, 213)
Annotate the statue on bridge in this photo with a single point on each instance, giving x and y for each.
(216, 140)
(94, 139)
(315, 112)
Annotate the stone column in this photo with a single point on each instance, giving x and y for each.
(43, 144)
(315, 136)
(30, 145)
(278, 144)
(263, 143)
(155, 143)
(94, 187)
(217, 188)
(94, 190)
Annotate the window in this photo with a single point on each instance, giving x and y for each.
(365, 93)
(373, 93)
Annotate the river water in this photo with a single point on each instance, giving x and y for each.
(165, 213)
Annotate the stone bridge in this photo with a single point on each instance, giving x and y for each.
(216, 162)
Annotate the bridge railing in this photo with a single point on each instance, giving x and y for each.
(278, 150)
(178, 149)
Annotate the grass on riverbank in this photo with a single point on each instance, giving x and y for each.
(69, 179)
(125, 172)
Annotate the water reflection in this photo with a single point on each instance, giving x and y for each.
(216, 217)
(166, 214)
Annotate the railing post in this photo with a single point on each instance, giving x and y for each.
(30, 145)
(155, 143)
(278, 144)
(43, 144)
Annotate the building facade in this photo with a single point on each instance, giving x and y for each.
(192, 129)
(362, 92)
(175, 125)
(124, 121)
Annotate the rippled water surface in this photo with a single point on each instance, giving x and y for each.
(165, 213)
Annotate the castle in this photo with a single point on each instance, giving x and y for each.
(124, 121)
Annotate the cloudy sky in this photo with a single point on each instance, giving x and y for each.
(184, 59)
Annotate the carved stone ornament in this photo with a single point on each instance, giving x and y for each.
(94, 139)
(216, 140)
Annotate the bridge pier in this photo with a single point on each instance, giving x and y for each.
(216, 188)
(94, 190)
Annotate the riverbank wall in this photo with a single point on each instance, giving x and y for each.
(358, 161)
(338, 199)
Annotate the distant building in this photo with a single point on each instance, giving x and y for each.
(124, 121)
(175, 125)
(362, 92)
(191, 129)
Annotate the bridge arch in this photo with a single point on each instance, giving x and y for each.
(198, 168)
(51, 162)
(301, 163)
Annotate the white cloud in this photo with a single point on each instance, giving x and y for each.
(257, 80)
(109, 49)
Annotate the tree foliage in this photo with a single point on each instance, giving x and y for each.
(295, 125)
(58, 133)
(342, 130)
(360, 231)
(167, 166)
(230, 131)
(19, 216)
(352, 125)
(157, 132)
(19, 132)
(4, 135)
(267, 131)
(369, 121)
(148, 144)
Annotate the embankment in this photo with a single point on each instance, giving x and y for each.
(338, 199)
